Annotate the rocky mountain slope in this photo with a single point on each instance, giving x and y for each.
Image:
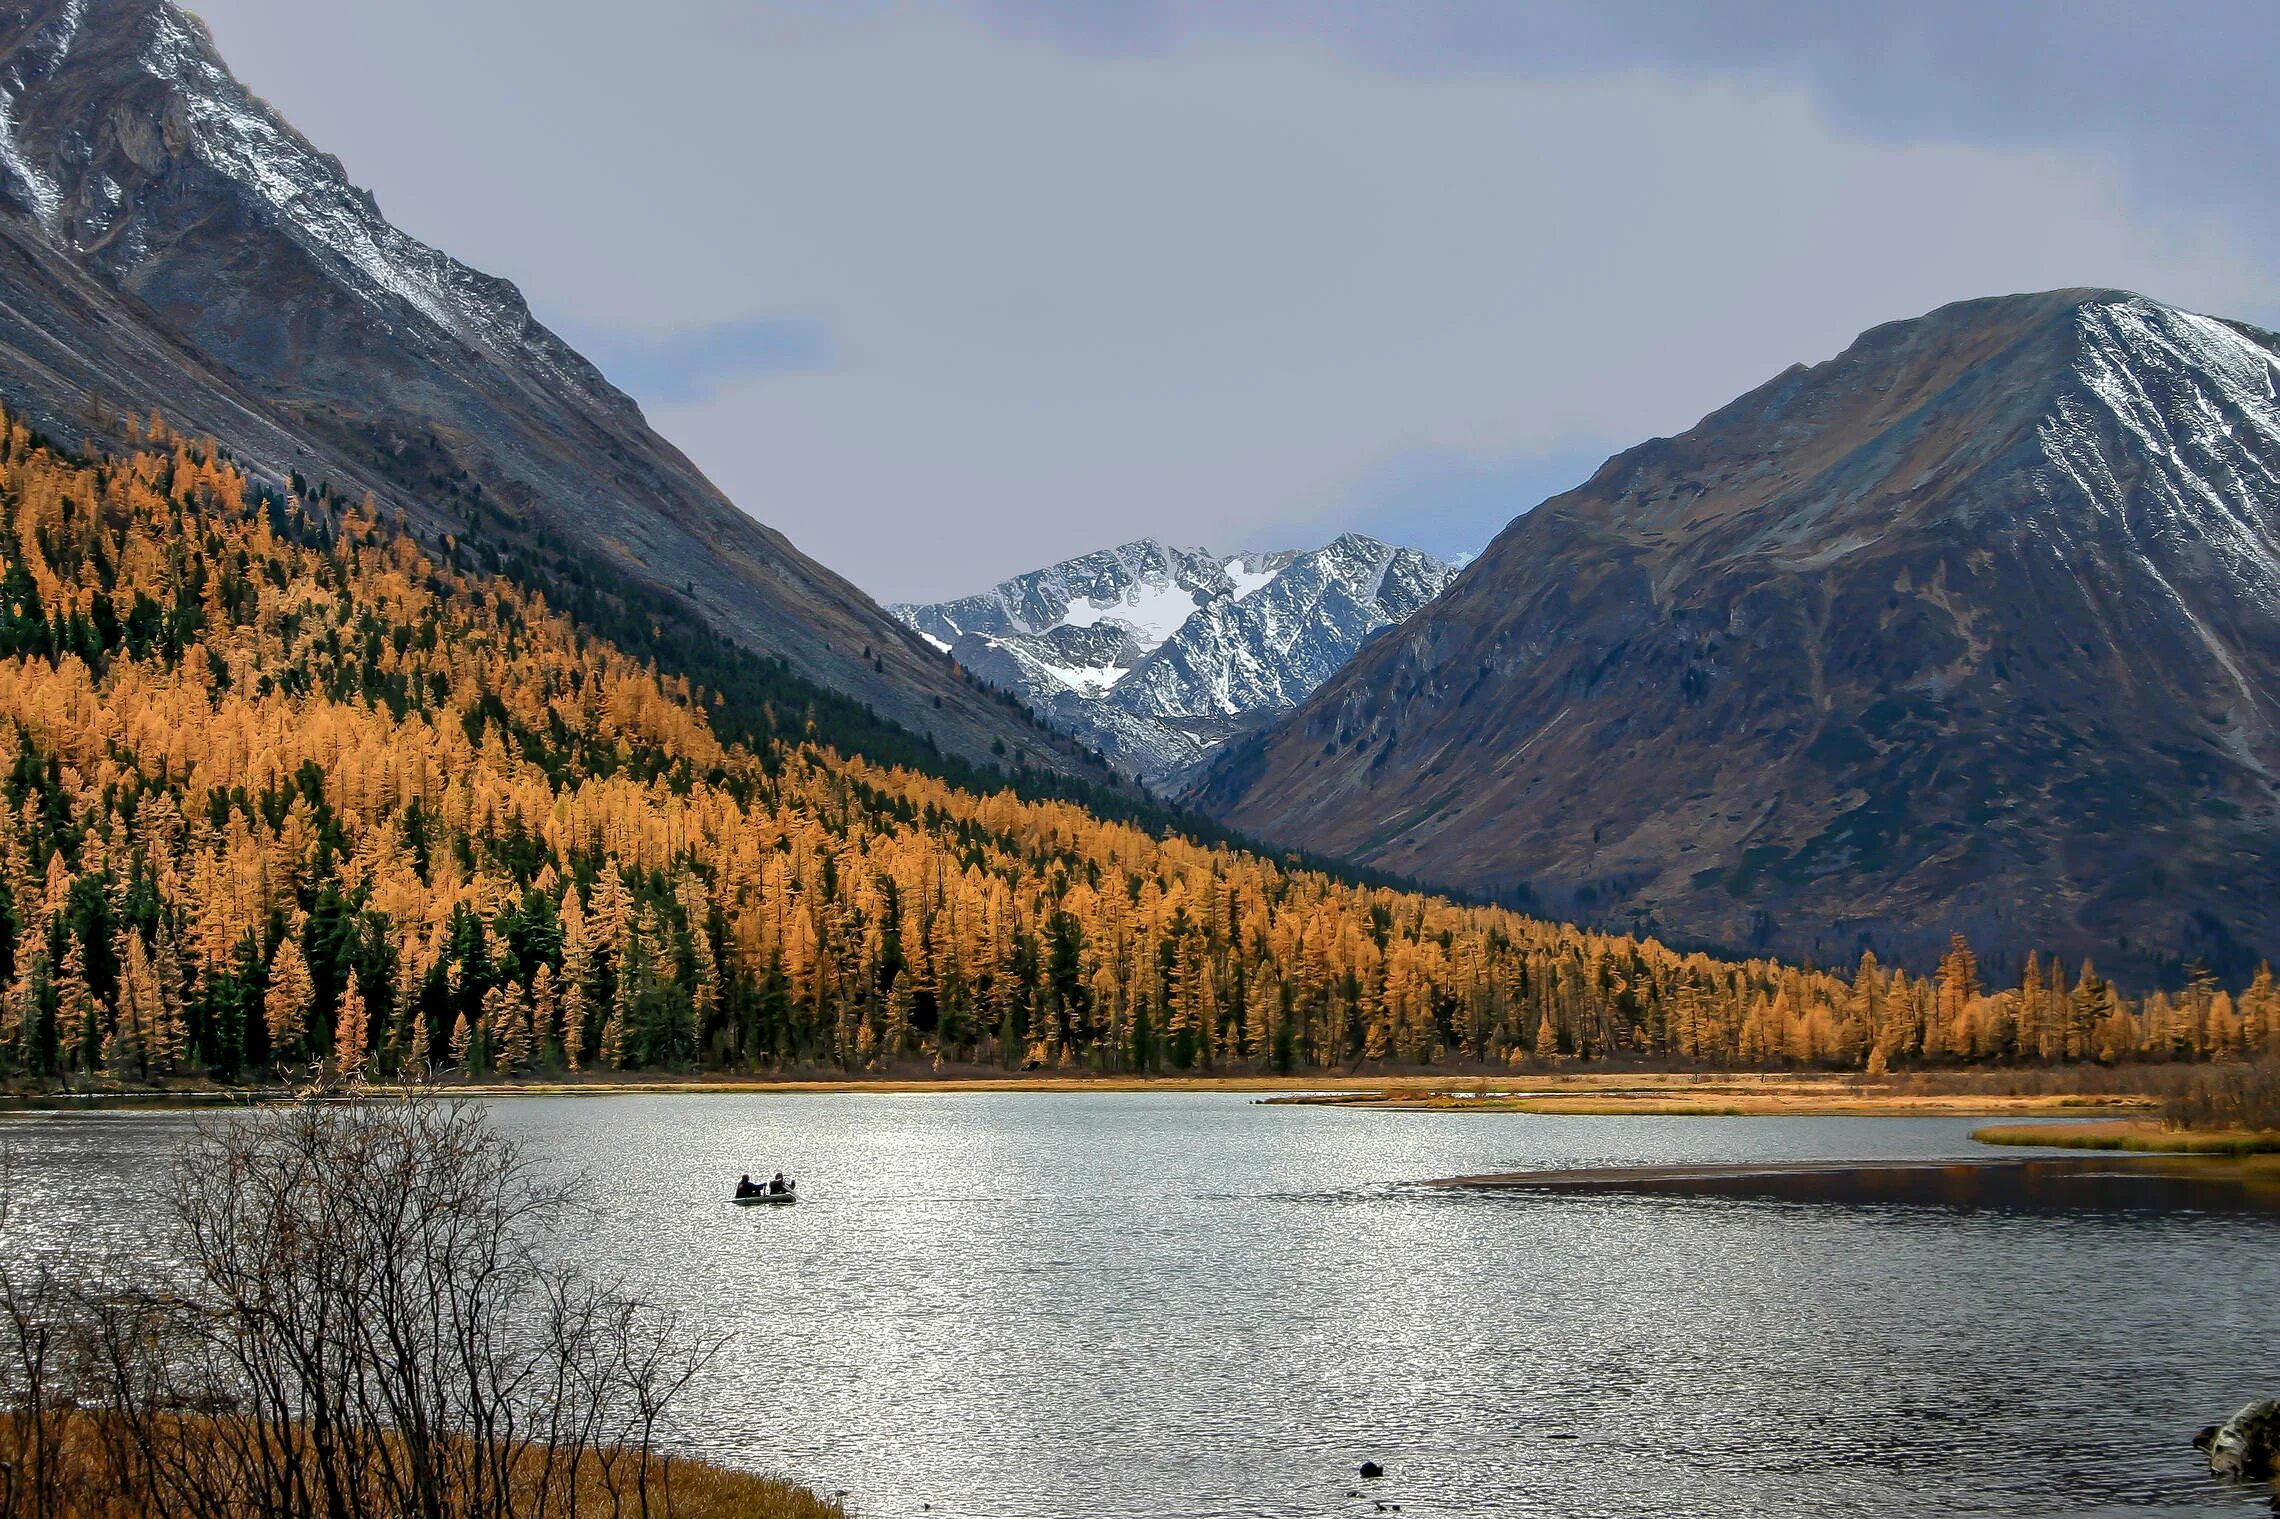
(1156, 655)
(1975, 626)
(167, 241)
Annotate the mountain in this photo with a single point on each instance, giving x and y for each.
(1156, 655)
(168, 242)
(1975, 627)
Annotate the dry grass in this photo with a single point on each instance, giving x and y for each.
(2150, 1138)
(711, 1492)
(912, 1079)
(1613, 1089)
(85, 1487)
(1740, 1096)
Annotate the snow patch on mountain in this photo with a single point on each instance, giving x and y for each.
(1246, 578)
(1157, 654)
(45, 198)
(50, 47)
(1086, 680)
(1152, 613)
(209, 116)
(2196, 395)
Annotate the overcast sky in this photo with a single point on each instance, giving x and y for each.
(949, 291)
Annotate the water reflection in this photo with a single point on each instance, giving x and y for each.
(1131, 1304)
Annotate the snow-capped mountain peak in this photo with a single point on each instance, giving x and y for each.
(1971, 627)
(1155, 654)
(185, 105)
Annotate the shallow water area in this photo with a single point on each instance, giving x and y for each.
(1191, 1303)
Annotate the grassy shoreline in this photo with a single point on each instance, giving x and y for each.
(2138, 1137)
(198, 1095)
(1598, 1092)
(74, 1456)
(1727, 1096)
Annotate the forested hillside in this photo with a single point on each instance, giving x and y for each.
(283, 789)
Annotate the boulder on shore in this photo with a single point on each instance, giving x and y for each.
(2247, 1445)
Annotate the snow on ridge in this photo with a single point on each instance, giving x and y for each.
(1154, 612)
(1246, 579)
(46, 198)
(1191, 644)
(242, 139)
(2192, 401)
(45, 193)
(1377, 575)
(246, 145)
(67, 31)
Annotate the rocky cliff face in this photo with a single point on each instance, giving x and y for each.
(1974, 626)
(168, 242)
(1156, 655)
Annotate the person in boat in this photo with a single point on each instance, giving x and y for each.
(776, 1187)
(744, 1187)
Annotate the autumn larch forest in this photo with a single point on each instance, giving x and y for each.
(286, 790)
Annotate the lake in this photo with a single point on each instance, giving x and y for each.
(1183, 1304)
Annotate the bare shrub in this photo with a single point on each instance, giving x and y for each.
(36, 1310)
(2241, 1096)
(362, 1314)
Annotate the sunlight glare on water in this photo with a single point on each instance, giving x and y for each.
(1184, 1304)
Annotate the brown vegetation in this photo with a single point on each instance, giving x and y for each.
(1755, 1094)
(2226, 1109)
(358, 1311)
(2229, 1096)
(80, 1480)
(2152, 1138)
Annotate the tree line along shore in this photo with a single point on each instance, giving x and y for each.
(283, 790)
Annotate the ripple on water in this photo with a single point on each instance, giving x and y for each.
(1135, 1304)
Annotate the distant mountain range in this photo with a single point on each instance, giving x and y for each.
(1975, 626)
(169, 242)
(1156, 655)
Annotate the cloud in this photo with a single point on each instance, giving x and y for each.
(2170, 92)
(694, 363)
(1233, 272)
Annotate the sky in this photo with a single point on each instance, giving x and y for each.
(949, 291)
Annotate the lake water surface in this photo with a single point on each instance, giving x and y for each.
(1189, 1304)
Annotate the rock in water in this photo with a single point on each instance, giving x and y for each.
(2244, 1446)
(1372, 1469)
